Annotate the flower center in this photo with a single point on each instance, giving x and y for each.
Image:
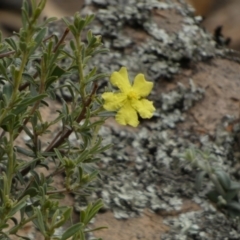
(132, 95)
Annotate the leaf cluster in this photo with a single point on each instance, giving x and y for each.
(225, 191)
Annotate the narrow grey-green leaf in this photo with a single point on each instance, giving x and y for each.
(230, 195)
(7, 91)
(234, 185)
(234, 205)
(38, 39)
(31, 100)
(39, 221)
(72, 230)
(18, 206)
(224, 179)
(199, 179)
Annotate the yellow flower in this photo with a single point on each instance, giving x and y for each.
(130, 100)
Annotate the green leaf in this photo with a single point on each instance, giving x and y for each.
(58, 71)
(72, 45)
(44, 103)
(89, 35)
(97, 77)
(73, 85)
(28, 131)
(72, 230)
(231, 194)
(80, 25)
(199, 179)
(31, 100)
(32, 192)
(190, 155)
(59, 155)
(38, 39)
(234, 205)
(6, 121)
(33, 5)
(66, 21)
(12, 43)
(23, 46)
(20, 177)
(3, 71)
(28, 78)
(224, 179)
(25, 12)
(65, 216)
(91, 211)
(24, 151)
(73, 29)
(101, 51)
(96, 229)
(20, 109)
(213, 196)
(39, 221)
(67, 213)
(234, 186)
(81, 235)
(18, 206)
(43, 165)
(37, 11)
(15, 228)
(7, 91)
(22, 213)
(48, 20)
(1, 192)
(57, 196)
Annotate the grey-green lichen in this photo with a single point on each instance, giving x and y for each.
(161, 53)
(141, 44)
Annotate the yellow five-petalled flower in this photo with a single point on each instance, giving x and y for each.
(130, 100)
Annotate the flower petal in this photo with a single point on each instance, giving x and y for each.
(124, 73)
(113, 101)
(127, 115)
(141, 86)
(120, 80)
(144, 107)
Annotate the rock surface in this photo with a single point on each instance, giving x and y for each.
(144, 170)
(145, 183)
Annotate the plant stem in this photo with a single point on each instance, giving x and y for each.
(61, 41)
(6, 54)
(95, 134)
(64, 190)
(78, 55)
(35, 106)
(10, 167)
(17, 82)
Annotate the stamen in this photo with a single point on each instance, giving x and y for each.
(132, 95)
